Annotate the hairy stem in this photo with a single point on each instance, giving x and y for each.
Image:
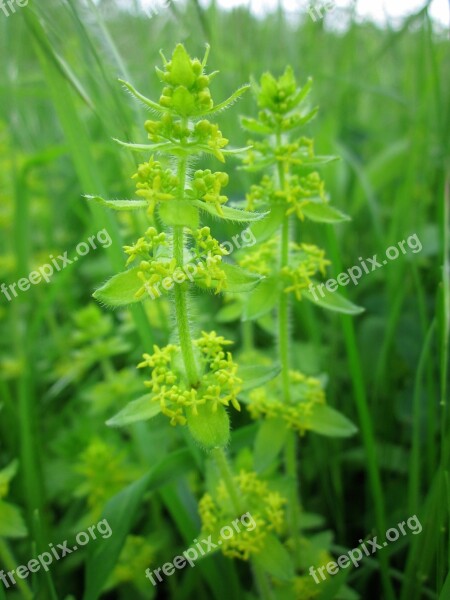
(182, 313)
(181, 300)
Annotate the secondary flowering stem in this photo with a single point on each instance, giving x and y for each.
(283, 316)
(290, 450)
(260, 578)
(227, 476)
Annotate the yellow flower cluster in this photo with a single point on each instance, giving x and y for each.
(219, 383)
(262, 259)
(155, 184)
(307, 392)
(265, 506)
(155, 266)
(207, 186)
(135, 557)
(304, 190)
(209, 136)
(300, 191)
(306, 260)
(104, 474)
(146, 245)
(210, 252)
(305, 588)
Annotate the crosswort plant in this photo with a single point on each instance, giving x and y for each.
(194, 380)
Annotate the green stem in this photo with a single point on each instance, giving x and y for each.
(284, 342)
(262, 582)
(182, 313)
(283, 317)
(181, 301)
(247, 336)
(227, 476)
(11, 564)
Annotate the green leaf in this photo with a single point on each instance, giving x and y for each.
(146, 147)
(269, 442)
(121, 289)
(445, 592)
(6, 475)
(303, 92)
(324, 213)
(311, 521)
(306, 118)
(230, 312)
(230, 214)
(12, 524)
(120, 513)
(229, 102)
(255, 126)
(240, 280)
(331, 300)
(119, 204)
(270, 224)
(178, 212)
(145, 101)
(211, 429)
(255, 376)
(328, 421)
(275, 559)
(318, 161)
(259, 165)
(261, 300)
(141, 409)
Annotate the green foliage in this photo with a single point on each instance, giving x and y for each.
(67, 366)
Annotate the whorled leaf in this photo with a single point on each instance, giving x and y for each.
(254, 376)
(141, 409)
(331, 300)
(12, 524)
(121, 289)
(330, 422)
(324, 213)
(119, 204)
(261, 300)
(179, 213)
(237, 215)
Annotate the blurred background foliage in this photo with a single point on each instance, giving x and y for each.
(67, 365)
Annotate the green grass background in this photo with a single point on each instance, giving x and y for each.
(385, 110)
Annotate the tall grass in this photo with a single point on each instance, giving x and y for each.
(385, 98)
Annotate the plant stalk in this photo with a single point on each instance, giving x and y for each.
(284, 343)
(181, 300)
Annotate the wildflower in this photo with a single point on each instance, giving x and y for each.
(265, 505)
